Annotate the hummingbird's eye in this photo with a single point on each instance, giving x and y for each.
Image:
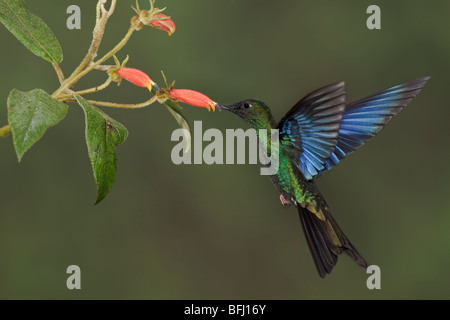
(247, 105)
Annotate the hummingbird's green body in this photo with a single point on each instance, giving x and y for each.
(318, 132)
(288, 180)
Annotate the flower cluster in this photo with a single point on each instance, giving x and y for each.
(191, 97)
(154, 18)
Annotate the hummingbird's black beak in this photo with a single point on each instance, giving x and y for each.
(221, 107)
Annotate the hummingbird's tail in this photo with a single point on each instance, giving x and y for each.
(326, 241)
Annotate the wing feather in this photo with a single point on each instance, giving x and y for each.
(311, 128)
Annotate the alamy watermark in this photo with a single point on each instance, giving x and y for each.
(224, 149)
(74, 280)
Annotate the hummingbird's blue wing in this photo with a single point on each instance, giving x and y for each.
(364, 118)
(310, 129)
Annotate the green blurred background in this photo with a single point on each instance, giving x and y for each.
(219, 232)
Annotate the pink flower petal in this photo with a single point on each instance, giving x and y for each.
(193, 98)
(164, 24)
(136, 77)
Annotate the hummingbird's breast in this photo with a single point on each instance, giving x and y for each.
(294, 187)
(289, 181)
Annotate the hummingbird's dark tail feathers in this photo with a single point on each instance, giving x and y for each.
(326, 241)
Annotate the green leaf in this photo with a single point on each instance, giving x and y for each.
(174, 110)
(181, 120)
(103, 135)
(30, 30)
(30, 114)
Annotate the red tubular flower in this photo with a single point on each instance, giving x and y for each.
(193, 98)
(165, 24)
(136, 77)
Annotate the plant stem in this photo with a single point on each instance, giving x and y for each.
(116, 49)
(59, 72)
(96, 89)
(5, 131)
(120, 105)
(75, 77)
(99, 30)
(104, 67)
(124, 106)
(86, 91)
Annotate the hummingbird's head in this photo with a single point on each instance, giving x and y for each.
(252, 111)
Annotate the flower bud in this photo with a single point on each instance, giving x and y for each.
(136, 77)
(193, 98)
(164, 24)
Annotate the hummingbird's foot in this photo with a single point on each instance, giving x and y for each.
(285, 203)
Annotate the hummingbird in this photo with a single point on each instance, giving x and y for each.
(314, 136)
